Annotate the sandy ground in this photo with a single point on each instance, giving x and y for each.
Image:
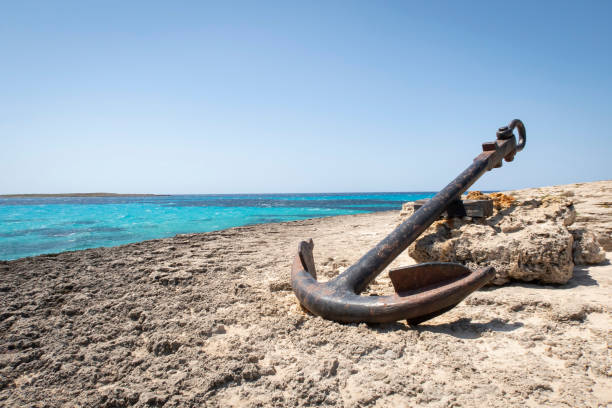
(210, 320)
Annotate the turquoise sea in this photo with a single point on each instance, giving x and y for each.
(33, 226)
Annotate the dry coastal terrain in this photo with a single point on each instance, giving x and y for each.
(210, 320)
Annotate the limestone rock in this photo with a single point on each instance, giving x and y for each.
(587, 250)
(592, 202)
(527, 240)
(407, 211)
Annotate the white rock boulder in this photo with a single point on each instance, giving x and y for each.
(524, 240)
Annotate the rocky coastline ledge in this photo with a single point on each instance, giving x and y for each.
(210, 320)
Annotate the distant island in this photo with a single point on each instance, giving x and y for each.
(79, 195)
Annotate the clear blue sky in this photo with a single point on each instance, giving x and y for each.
(326, 96)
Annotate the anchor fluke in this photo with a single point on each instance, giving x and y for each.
(418, 277)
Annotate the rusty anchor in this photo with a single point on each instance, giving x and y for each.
(421, 291)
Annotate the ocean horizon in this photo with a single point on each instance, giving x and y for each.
(31, 226)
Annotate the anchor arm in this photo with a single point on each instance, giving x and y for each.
(339, 298)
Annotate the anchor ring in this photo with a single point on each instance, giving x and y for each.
(506, 132)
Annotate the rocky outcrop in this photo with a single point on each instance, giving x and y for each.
(586, 248)
(525, 240)
(593, 205)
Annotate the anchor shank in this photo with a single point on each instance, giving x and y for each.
(359, 275)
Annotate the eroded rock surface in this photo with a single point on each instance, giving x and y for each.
(586, 248)
(593, 203)
(526, 240)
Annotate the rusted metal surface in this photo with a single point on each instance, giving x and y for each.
(417, 277)
(434, 288)
(464, 208)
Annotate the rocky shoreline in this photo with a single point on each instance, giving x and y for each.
(210, 320)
